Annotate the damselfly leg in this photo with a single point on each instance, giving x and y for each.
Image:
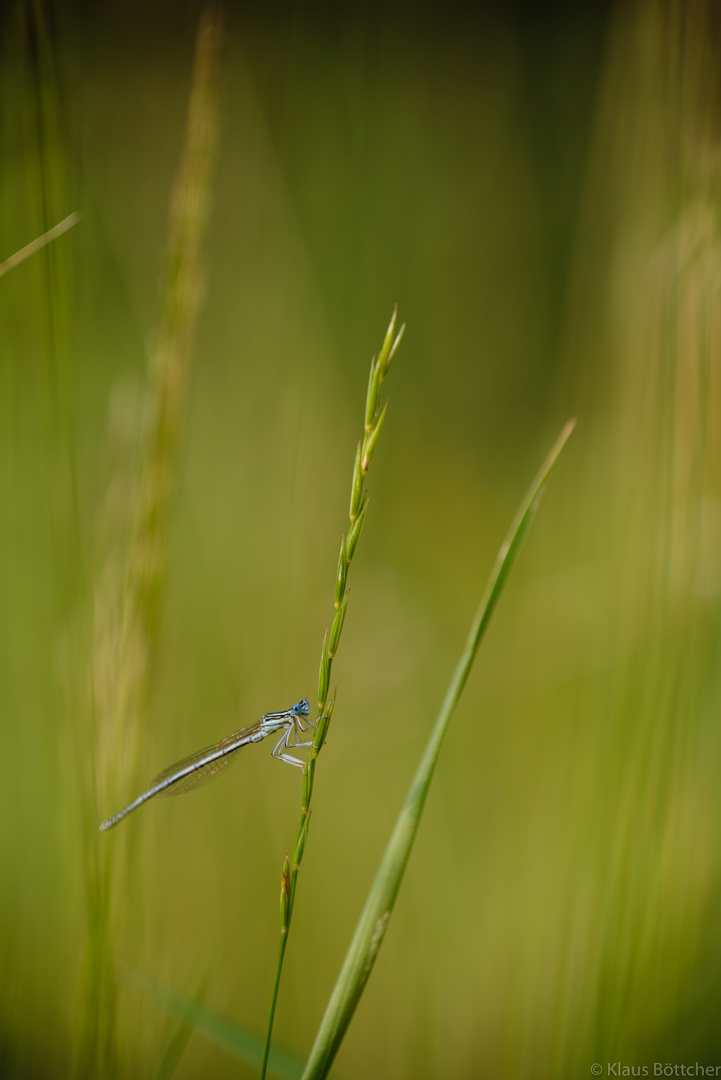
(284, 742)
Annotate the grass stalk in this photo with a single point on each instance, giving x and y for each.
(273, 1000)
(376, 915)
(129, 589)
(39, 243)
(374, 417)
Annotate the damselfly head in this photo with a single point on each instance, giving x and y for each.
(301, 708)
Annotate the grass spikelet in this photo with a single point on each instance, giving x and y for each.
(337, 627)
(341, 573)
(129, 590)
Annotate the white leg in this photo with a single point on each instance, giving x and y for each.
(310, 724)
(283, 741)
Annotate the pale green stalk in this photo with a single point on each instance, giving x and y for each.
(379, 905)
(39, 243)
(128, 592)
(374, 416)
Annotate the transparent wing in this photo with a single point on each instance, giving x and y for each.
(201, 774)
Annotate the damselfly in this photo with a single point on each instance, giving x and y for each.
(205, 765)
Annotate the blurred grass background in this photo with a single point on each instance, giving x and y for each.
(539, 193)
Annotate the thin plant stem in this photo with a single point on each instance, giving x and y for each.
(273, 1001)
(39, 243)
(374, 417)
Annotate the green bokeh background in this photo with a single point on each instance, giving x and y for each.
(539, 194)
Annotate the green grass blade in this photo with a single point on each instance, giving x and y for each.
(219, 1029)
(185, 1029)
(379, 905)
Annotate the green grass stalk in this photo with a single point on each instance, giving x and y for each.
(373, 421)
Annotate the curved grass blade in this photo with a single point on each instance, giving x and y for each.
(183, 1032)
(379, 905)
(215, 1027)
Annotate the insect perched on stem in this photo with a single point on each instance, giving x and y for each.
(204, 765)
